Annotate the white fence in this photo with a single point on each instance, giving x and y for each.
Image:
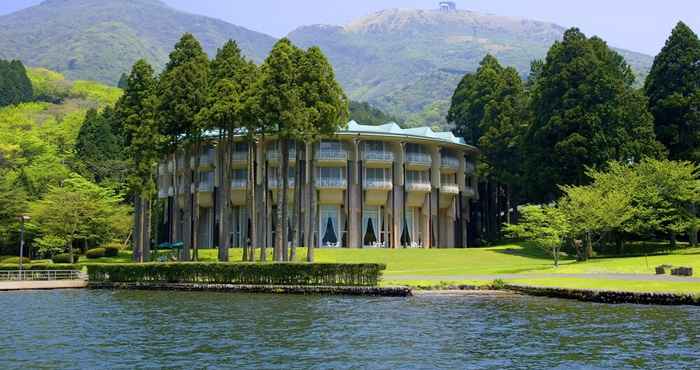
(42, 275)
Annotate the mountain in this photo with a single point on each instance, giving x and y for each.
(408, 62)
(101, 39)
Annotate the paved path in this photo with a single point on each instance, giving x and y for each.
(627, 277)
(42, 285)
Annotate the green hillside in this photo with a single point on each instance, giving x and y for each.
(101, 39)
(408, 62)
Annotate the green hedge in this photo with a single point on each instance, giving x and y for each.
(327, 274)
(14, 267)
(111, 251)
(15, 260)
(96, 253)
(65, 258)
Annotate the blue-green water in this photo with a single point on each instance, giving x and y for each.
(85, 329)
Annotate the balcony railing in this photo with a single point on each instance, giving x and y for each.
(207, 158)
(206, 187)
(451, 163)
(449, 188)
(378, 184)
(239, 184)
(470, 168)
(469, 192)
(331, 155)
(239, 156)
(331, 183)
(181, 164)
(378, 156)
(274, 183)
(422, 159)
(276, 155)
(418, 186)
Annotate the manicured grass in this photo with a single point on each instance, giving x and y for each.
(612, 285)
(689, 257)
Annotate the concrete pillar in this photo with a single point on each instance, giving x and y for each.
(435, 197)
(398, 194)
(354, 205)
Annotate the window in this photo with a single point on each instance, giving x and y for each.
(331, 172)
(450, 179)
(418, 177)
(329, 226)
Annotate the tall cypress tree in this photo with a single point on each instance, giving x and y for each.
(136, 110)
(585, 113)
(673, 88)
(230, 76)
(15, 86)
(182, 93)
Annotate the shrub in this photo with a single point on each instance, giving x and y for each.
(96, 253)
(328, 274)
(112, 250)
(50, 245)
(15, 260)
(65, 258)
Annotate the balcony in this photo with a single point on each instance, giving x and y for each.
(378, 157)
(418, 186)
(181, 164)
(418, 160)
(165, 168)
(470, 168)
(165, 192)
(239, 158)
(338, 183)
(332, 156)
(450, 164)
(275, 184)
(452, 189)
(378, 184)
(274, 156)
(469, 192)
(207, 159)
(206, 182)
(239, 184)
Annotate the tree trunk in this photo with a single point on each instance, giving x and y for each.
(195, 201)
(253, 206)
(693, 230)
(296, 219)
(187, 214)
(285, 190)
(174, 211)
(313, 218)
(136, 255)
(279, 221)
(224, 195)
(265, 220)
(508, 199)
(556, 256)
(146, 243)
(589, 245)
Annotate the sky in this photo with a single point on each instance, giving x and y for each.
(639, 25)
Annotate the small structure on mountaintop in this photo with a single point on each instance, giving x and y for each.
(448, 6)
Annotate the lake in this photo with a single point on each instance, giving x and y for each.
(88, 329)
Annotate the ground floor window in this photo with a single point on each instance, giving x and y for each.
(329, 226)
(371, 227)
(410, 236)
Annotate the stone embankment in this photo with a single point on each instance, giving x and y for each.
(273, 289)
(6, 286)
(610, 297)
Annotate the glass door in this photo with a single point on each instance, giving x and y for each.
(329, 226)
(371, 227)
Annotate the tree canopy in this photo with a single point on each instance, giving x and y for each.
(15, 86)
(673, 88)
(585, 113)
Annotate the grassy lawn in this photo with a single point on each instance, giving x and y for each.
(442, 267)
(614, 285)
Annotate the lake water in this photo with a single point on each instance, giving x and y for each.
(177, 330)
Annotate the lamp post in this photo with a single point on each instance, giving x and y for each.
(22, 219)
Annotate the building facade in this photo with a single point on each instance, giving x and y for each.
(376, 187)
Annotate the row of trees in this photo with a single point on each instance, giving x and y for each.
(292, 96)
(578, 109)
(643, 199)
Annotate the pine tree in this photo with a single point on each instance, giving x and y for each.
(673, 88)
(585, 113)
(136, 111)
(183, 91)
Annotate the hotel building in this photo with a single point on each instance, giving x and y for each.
(377, 187)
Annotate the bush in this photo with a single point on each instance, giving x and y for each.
(15, 260)
(327, 274)
(112, 250)
(65, 258)
(96, 253)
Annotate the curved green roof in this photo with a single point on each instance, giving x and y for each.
(392, 128)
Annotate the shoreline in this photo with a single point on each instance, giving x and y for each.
(372, 291)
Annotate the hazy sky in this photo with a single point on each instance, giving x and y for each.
(640, 25)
